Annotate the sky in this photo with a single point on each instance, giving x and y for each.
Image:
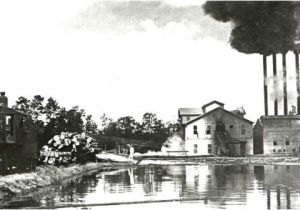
(125, 58)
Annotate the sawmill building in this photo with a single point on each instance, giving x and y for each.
(217, 131)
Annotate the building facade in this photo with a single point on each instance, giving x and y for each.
(218, 132)
(277, 135)
(18, 137)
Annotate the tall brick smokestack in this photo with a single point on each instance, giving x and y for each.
(285, 101)
(297, 81)
(263, 27)
(275, 83)
(265, 84)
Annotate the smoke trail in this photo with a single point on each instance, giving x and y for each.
(258, 27)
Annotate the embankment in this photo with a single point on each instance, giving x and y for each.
(255, 160)
(47, 175)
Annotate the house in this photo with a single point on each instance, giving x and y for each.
(277, 134)
(218, 131)
(18, 137)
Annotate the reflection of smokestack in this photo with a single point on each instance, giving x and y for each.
(285, 103)
(297, 82)
(275, 84)
(265, 84)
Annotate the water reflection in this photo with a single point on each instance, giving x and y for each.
(266, 187)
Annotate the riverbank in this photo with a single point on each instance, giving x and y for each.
(254, 160)
(43, 176)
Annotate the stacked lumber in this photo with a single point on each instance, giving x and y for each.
(68, 148)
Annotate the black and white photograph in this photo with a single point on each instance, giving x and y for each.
(149, 104)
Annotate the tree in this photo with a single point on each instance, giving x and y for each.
(90, 126)
(126, 126)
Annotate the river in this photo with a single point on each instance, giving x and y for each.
(203, 186)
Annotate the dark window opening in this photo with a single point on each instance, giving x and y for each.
(283, 150)
(195, 148)
(274, 150)
(208, 130)
(187, 118)
(195, 129)
(230, 127)
(275, 168)
(287, 142)
(274, 143)
(209, 149)
(294, 150)
(279, 150)
(243, 131)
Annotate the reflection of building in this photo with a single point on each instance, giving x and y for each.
(217, 131)
(277, 134)
(17, 134)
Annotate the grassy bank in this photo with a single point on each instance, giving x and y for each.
(46, 175)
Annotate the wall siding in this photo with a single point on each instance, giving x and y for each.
(203, 139)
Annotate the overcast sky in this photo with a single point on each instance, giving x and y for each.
(125, 58)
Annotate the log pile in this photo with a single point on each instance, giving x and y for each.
(68, 148)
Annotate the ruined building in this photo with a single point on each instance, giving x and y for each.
(18, 137)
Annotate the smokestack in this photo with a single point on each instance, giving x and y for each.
(3, 100)
(275, 84)
(285, 102)
(265, 84)
(297, 82)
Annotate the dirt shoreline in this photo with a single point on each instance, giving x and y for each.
(44, 176)
(254, 160)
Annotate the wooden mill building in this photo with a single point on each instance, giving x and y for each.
(217, 131)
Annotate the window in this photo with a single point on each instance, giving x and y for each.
(195, 129)
(209, 149)
(287, 142)
(275, 168)
(294, 150)
(187, 118)
(9, 124)
(208, 130)
(230, 127)
(274, 150)
(283, 150)
(288, 169)
(195, 148)
(243, 129)
(279, 150)
(274, 143)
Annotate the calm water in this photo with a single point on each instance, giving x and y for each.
(228, 187)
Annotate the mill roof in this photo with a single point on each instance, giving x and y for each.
(214, 110)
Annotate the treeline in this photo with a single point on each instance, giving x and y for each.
(150, 129)
(51, 119)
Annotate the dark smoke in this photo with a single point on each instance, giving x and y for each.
(258, 27)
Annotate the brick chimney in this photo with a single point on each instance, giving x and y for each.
(3, 100)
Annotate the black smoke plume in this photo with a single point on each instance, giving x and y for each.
(263, 27)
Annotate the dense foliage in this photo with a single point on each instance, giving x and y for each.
(150, 129)
(52, 119)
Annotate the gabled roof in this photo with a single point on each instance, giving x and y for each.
(212, 102)
(218, 108)
(189, 111)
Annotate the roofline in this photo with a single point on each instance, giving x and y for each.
(13, 111)
(214, 101)
(198, 118)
